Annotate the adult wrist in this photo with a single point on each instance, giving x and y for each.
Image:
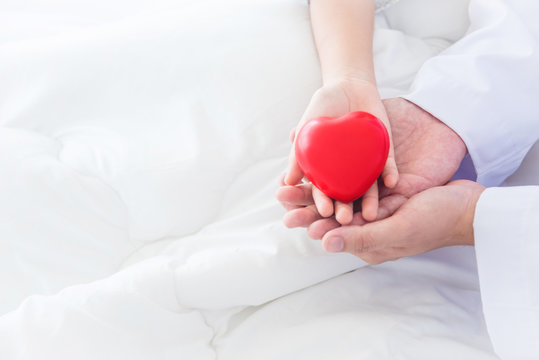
(474, 191)
(459, 146)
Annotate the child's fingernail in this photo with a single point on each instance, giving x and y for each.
(335, 244)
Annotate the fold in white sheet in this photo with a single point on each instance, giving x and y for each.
(142, 148)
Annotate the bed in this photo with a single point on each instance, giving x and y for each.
(140, 149)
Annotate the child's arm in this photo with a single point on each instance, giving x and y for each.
(343, 31)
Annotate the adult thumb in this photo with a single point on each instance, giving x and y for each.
(370, 237)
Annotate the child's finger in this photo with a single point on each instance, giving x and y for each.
(293, 174)
(292, 134)
(282, 178)
(323, 203)
(369, 203)
(344, 212)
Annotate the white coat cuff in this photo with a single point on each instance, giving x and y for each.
(506, 228)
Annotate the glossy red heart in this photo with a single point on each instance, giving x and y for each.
(343, 156)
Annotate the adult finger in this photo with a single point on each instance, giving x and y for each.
(301, 217)
(299, 195)
(369, 203)
(378, 257)
(319, 228)
(323, 203)
(388, 205)
(282, 200)
(390, 174)
(290, 207)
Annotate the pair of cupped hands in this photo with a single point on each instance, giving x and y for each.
(412, 208)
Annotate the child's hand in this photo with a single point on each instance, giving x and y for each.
(335, 100)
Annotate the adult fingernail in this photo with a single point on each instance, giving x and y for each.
(334, 244)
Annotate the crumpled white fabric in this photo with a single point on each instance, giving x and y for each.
(140, 151)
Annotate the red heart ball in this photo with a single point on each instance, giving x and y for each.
(343, 156)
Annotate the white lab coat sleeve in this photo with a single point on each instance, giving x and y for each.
(486, 86)
(506, 229)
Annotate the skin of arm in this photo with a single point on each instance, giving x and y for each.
(343, 34)
(343, 31)
(437, 217)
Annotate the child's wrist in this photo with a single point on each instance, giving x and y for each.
(350, 76)
(353, 85)
(359, 91)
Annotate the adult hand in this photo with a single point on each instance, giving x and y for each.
(427, 153)
(335, 100)
(438, 217)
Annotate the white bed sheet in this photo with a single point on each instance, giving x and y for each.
(140, 150)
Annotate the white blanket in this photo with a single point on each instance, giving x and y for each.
(140, 150)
